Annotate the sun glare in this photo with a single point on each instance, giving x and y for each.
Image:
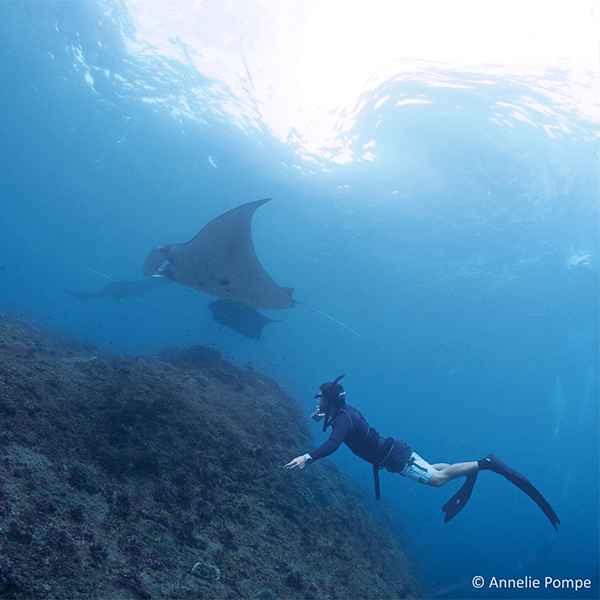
(300, 67)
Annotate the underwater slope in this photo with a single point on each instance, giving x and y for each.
(118, 476)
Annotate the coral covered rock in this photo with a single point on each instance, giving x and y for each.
(119, 476)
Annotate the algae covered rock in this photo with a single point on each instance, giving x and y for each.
(117, 473)
(206, 571)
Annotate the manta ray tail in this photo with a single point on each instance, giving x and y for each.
(338, 322)
(102, 274)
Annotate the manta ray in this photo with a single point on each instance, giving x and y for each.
(117, 290)
(239, 317)
(221, 261)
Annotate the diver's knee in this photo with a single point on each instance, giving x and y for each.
(436, 479)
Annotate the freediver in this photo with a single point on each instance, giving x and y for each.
(350, 427)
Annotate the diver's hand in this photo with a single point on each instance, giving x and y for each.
(298, 463)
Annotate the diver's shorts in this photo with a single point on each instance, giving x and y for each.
(417, 469)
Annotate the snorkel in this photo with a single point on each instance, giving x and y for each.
(331, 397)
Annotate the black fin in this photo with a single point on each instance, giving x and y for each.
(458, 501)
(492, 463)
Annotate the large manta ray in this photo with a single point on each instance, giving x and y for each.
(221, 261)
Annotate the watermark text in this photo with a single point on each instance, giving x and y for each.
(546, 583)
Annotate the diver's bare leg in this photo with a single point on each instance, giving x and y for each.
(444, 472)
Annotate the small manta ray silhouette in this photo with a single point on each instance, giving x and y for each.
(117, 290)
(239, 317)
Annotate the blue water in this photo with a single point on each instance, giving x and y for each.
(467, 250)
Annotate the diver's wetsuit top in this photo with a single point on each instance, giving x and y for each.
(350, 427)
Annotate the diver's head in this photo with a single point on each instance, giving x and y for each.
(332, 393)
(331, 398)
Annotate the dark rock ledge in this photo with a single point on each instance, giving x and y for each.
(121, 476)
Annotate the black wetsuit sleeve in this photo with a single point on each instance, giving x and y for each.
(340, 428)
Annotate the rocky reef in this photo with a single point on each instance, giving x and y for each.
(161, 477)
